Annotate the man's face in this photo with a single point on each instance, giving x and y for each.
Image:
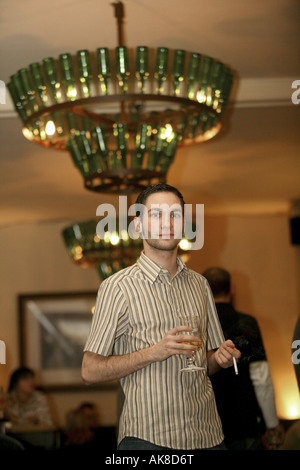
(162, 222)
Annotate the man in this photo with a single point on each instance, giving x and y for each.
(134, 339)
(245, 401)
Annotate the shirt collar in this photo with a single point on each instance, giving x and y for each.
(152, 270)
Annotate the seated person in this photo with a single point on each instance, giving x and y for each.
(24, 405)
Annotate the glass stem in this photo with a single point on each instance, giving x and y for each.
(191, 360)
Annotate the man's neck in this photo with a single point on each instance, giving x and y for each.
(165, 259)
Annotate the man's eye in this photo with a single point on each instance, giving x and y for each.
(154, 215)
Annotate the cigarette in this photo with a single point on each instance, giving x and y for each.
(235, 366)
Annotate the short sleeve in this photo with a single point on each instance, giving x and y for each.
(214, 330)
(109, 319)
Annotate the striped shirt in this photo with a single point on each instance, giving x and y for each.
(135, 308)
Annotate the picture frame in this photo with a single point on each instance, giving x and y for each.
(53, 331)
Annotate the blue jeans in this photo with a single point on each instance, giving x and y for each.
(133, 443)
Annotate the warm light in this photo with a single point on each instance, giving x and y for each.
(287, 397)
(293, 411)
(167, 133)
(72, 93)
(184, 244)
(209, 96)
(50, 128)
(114, 239)
(107, 237)
(58, 92)
(124, 235)
(78, 253)
(27, 133)
(201, 96)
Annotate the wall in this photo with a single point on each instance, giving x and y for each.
(256, 249)
(34, 260)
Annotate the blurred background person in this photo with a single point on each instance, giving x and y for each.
(24, 405)
(90, 415)
(78, 434)
(246, 402)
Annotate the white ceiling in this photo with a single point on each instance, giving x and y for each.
(253, 165)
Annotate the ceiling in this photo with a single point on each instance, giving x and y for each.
(252, 166)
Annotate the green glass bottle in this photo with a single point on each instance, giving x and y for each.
(76, 155)
(161, 68)
(193, 74)
(182, 127)
(67, 71)
(85, 72)
(73, 122)
(84, 143)
(95, 163)
(122, 68)
(115, 160)
(58, 118)
(33, 97)
(178, 71)
(204, 89)
(103, 65)
(156, 149)
(16, 100)
(120, 133)
(216, 73)
(100, 138)
(142, 72)
(168, 155)
(225, 86)
(194, 120)
(40, 84)
(49, 67)
(142, 145)
(22, 96)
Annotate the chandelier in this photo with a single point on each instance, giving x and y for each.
(121, 114)
(112, 252)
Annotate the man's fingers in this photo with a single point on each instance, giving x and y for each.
(179, 328)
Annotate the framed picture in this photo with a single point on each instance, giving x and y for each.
(53, 332)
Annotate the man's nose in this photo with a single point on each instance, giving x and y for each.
(166, 220)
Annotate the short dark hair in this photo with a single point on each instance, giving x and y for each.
(219, 281)
(19, 374)
(158, 188)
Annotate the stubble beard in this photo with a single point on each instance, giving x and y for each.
(161, 245)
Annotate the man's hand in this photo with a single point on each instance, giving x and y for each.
(225, 354)
(174, 343)
(222, 357)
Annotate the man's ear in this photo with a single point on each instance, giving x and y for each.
(138, 225)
